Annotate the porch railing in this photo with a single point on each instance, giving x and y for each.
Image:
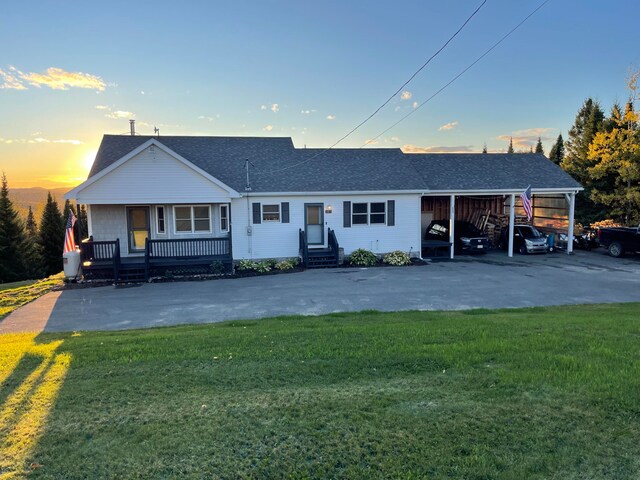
(333, 244)
(103, 253)
(303, 248)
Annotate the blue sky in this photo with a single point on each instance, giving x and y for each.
(72, 71)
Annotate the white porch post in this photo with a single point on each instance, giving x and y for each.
(512, 220)
(572, 207)
(452, 222)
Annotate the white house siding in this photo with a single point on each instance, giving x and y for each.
(109, 222)
(152, 177)
(278, 240)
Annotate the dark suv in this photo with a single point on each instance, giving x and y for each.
(468, 238)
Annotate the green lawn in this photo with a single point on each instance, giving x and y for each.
(14, 295)
(530, 393)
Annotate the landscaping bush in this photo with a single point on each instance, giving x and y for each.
(363, 258)
(245, 265)
(216, 267)
(287, 264)
(397, 258)
(263, 267)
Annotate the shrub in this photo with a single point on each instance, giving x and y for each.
(245, 265)
(216, 267)
(397, 258)
(262, 267)
(287, 264)
(363, 258)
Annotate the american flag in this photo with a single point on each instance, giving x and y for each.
(69, 241)
(526, 202)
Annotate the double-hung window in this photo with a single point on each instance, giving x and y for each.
(224, 218)
(271, 213)
(161, 228)
(373, 213)
(192, 219)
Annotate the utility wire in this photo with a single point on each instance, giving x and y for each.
(386, 102)
(460, 74)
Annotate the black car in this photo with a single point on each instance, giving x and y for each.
(468, 238)
(526, 239)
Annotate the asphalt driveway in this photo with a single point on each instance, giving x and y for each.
(490, 281)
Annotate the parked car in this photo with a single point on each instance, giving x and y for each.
(526, 239)
(468, 238)
(587, 240)
(620, 240)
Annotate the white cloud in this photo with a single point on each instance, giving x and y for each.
(415, 104)
(10, 81)
(406, 95)
(38, 140)
(448, 126)
(308, 111)
(527, 138)
(263, 107)
(275, 108)
(102, 107)
(205, 117)
(394, 139)
(59, 79)
(437, 149)
(331, 117)
(396, 109)
(268, 128)
(118, 114)
(72, 142)
(372, 141)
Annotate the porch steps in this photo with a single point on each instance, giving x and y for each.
(322, 258)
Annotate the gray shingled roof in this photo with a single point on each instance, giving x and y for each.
(279, 167)
(495, 171)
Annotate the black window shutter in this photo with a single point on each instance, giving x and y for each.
(284, 209)
(257, 218)
(391, 213)
(346, 212)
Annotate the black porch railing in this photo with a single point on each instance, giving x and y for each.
(100, 255)
(319, 257)
(303, 248)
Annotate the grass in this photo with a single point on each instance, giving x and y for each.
(14, 295)
(531, 393)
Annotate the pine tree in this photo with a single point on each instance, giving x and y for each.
(484, 148)
(82, 227)
(539, 148)
(12, 239)
(556, 154)
(51, 237)
(68, 207)
(510, 149)
(32, 248)
(576, 162)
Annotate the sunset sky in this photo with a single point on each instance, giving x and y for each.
(72, 71)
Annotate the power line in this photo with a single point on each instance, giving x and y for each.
(386, 102)
(460, 74)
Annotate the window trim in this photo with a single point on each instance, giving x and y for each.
(262, 213)
(193, 219)
(164, 219)
(368, 214)
(225, 217)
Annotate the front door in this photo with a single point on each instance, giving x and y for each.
(314, 223)
(138, 226)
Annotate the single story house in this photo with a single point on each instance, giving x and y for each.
(164, 198)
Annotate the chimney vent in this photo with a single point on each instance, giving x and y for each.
(132, 124)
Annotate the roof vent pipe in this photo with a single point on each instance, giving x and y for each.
(132, 124)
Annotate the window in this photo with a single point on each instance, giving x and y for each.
(160, 223)
(271, 213)
(369, 213)
(192, 219)
(224, 218)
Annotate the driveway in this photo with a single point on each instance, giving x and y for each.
(490, 281)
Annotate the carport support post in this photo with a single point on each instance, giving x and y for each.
(572, 208)
(512, 220)
(452, 223)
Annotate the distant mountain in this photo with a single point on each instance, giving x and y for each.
(35, 197)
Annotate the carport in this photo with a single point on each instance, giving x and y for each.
(463, 182)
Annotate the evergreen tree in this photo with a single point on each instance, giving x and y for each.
(68, 207)
(576, 162)
(556, 154)
(510, 149)
(484, 148)
(82, 227)
(12, 239)
(51, 237)
(32, 248)
(539, 148)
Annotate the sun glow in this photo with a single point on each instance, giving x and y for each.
(89, 157)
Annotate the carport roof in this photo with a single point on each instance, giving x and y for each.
(490, 171)
(277, 166)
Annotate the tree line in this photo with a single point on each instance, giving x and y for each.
(31, 249)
